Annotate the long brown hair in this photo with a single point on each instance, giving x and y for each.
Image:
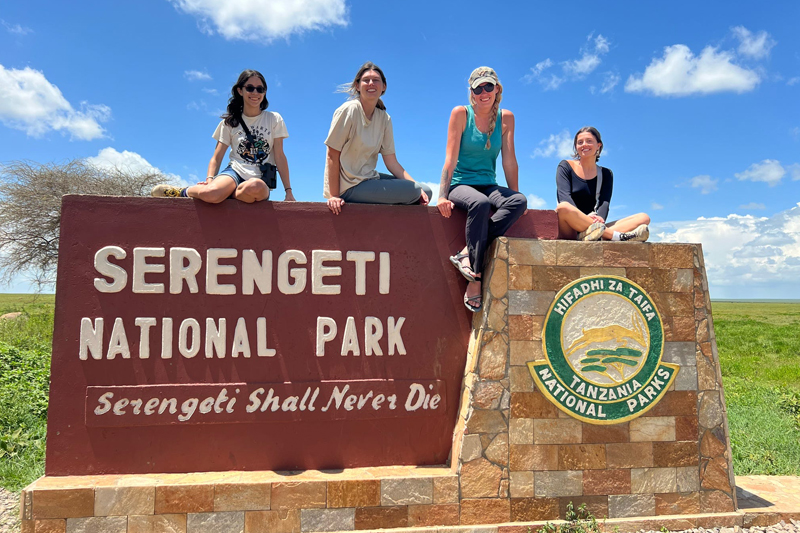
(498, 96)
(352, 88)
(233, 115)
(595, 134)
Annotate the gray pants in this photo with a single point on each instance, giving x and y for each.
(386, 190)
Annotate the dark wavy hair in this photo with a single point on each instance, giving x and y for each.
(352, 88)
(595, 134)
(236, 103)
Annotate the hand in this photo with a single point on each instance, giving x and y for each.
(597, 218)
(335, 205)
(445, 207)
(289, 196)
(207, 181)
(423, 198)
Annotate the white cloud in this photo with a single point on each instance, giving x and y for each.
(196, 75)
(534, 202)
(30, 103)
(680, 73)
(769, 171)
(16, 29)
(705, 183)
(746, 256)
(751, 206)
(435, 191)
(210, 91)
(264, 20)
(574, 69)
(611, 80)
(109, 158)
(756, 46)
(793, 81)
(656, 207)
(557, 144)
(794, 170)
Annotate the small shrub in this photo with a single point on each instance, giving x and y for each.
(580, 521)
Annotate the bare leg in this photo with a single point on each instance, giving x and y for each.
(571, 220)
(219, 189)
(625, 224)
(252, 191)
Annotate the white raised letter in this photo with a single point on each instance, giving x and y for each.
(326, 331)
(186, 350)
(394, 336)
(142, 267)
(373, 331)
(166, 338)
(144, 335)
(360, 259)
(215, 338)
(350, 338)
(320, 271)
(214, 270)
(180, 269)
(384, 273)
(255, 273)
(241, 343)
(261, 339)
(298, 274)
(115, 272)
(118, 344)
(91, 338)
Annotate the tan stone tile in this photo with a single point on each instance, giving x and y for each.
(557, 431)
(445, 489)
(653, 480)
(171, 499)
(580, 254)
(433, 515)
(117, 501)
(714, 475)
(715, 501)
(676, 503)
(520, 327)
(595, 434)
(581, 456)
(711, 412)
(381, 517)
(486, 422)
(626, 254)
(498, 281)
(596, 505)
(706, 375)
(683, 329)
(354, 493)
(47, 525)
(524, 351)
(521, 485)
(26, 526)
(531, 252)
(493, 357)
(485, 511)
(663, 255)
(101, 524)
(554, 484)
(653, 429)
(298, 495)
(163, 523)
(519, 278)
(629, 455)
(674, 303)
(602, 271)
(553, 278)
(532, 405)
(625, 505)
(610, 481)
(342, 519)
(529, 302)
(688, 478)
(480, 479)
(520, 430)
(487, 394)
(532, 457)
(278, 521)
(521, 380)
(63, 503)
(686, 428)
(406, 491)
(497, 451)
(533, 509)
(242, 496)
(496, 317)
(711, 445)
(675, 454)
(675, 403)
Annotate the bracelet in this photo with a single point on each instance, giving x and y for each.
(287, 189)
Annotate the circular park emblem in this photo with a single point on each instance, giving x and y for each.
(603, 341)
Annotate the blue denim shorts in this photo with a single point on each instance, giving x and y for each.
(228, 171)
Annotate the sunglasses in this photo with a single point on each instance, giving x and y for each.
(260, 89)
(489, 87)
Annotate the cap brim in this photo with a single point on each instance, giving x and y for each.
(483, 79)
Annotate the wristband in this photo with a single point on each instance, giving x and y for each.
(287, 189)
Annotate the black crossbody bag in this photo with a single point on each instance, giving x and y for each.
(268, 170)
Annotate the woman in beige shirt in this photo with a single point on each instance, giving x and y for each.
(361, 129)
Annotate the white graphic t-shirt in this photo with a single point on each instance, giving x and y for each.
(246, 156)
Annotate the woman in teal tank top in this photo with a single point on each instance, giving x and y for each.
(476, 135)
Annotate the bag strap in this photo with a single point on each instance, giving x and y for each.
(599, 186)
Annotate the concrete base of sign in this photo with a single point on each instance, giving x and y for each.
(516, 459)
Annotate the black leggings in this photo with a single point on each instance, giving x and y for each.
(483, 226)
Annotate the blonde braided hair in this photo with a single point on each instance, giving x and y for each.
(481, 72)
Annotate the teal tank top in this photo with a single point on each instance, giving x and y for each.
(477, 165)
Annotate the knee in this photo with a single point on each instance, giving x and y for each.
(252, 191)
(645, 218)
(481, 207)
(518, 201)
(212, 196)
(564, 207)
(427, 191)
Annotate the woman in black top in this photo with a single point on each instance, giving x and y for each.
(583, 209)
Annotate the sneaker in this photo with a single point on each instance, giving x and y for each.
(166, 191)
(593, 232)
(640, 234)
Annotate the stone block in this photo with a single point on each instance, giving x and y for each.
(711, 445)
(529, 302)
(381, 517)
(706, 375)
(581, 457)
(481, 421)
(629, 455)
(682, 329)
(533, 509)
(521, 484)
(660, 428)
(161, 523)
(63, 503)
(498, 281)
(496, 317)
(714, 474)
(533, 457)
(531, 252)
(433, 515)
(622, 254)
(279, 521)
(493, 357)
(497, 451)
(223, 522)
(674, 303)
(521, 380)
(532, 405)
(547, 278)
(47, 525)
(557, 431)
(173, 499)
(485, 511)
(519, 278)
(688, 478)
(242, 496)
(445, 489)
(686, 428)
(480, 479)
(602, 271)
(711, 412)
(580, 254)
(680, 353)
(487, 394)
(683, 280)
(686, 379)
(471, 448)
(406, 491)
(558, 483)
(524, 351)
(610, 481)
(653, 480)
(520, 431)
(675, 403)
(102, 524)
(596, 505)
(327, 520)
(666, 454)
(651, 279)
(122, 501)
(664, 255)
(715, 501)
(299, 495)
(626, 505)
(524, 327)
(596, 434)
(354, 493)
(677, 503)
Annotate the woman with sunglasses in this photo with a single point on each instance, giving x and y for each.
(255, 137)
(476, 135)
(361, 129)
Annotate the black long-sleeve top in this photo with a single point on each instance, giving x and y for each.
(583, 193)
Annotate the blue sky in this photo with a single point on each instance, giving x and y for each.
(696, 101)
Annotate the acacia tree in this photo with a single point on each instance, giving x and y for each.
(30, 209)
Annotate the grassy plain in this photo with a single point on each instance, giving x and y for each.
(759, 349)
